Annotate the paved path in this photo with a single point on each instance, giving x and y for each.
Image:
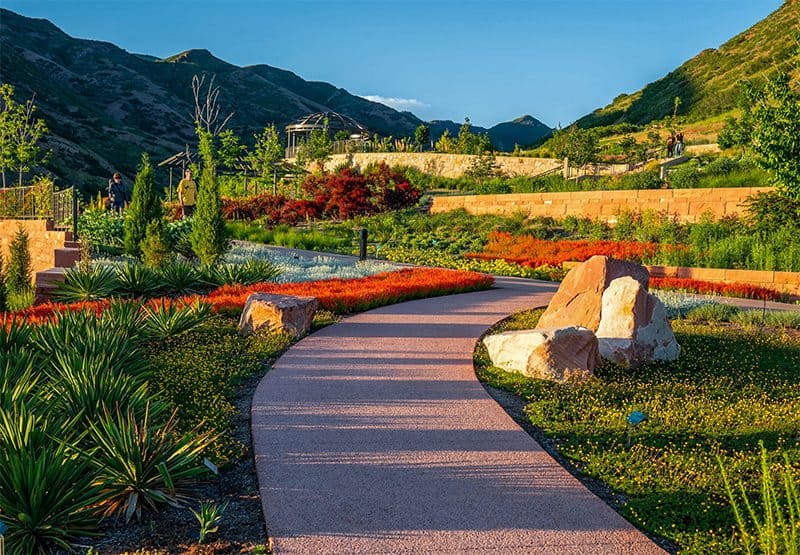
(373, 436)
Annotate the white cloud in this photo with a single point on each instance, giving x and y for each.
(406, 104)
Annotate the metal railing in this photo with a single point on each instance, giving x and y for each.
(39, 202)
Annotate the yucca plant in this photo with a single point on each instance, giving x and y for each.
(102, 343)
(86, 284)
(14, 333)
(181, 278)
(84, 387)
(252, 271)
(124, 316)
(141, 463)
(165, 320)
(48, 497)
(771, 527)
(137, 280)
(209, 516)
(17, 379)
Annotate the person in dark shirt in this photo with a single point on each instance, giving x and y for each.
(116, 193)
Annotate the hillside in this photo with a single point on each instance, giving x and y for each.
(104, 106)
(708, 84)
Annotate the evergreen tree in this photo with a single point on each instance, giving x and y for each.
(156, 251)
(208, 229)
(145, 208)
(18, 276)
(3, 305)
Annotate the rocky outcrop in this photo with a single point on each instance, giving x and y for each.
(561, 355)
(285, 313)
(579, 299)
(634, 328)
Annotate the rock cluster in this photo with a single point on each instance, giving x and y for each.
(601, 310)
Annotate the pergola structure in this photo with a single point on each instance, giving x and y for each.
(300, 130)
(179, 160)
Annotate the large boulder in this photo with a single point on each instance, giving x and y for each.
(578, 301)
(633, 327)
(561, 355)
(285, 313)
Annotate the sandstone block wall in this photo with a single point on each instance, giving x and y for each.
(687, 205)
(43, 241)
(447, 165)
(785, 282)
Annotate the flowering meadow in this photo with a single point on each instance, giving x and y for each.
(732, 389)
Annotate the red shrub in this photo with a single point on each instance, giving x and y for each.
(716, 288)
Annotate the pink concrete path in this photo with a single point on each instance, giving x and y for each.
(373, 436)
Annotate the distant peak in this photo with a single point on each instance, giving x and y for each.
(527, 120)
(199, 56)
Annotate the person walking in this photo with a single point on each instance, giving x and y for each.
(670, 146)
(187, 194)
(679, 144)
(117, 195)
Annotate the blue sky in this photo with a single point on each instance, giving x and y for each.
(441, 59)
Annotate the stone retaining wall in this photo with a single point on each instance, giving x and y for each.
(687, 205)
(785, 282)
(43, 241)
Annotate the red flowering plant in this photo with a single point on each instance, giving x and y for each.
(717, 288)
(338, 295)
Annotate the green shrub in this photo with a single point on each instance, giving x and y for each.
(145, 208)
(101, 227)
(713, 312)
(770, 212)
(156, 249)
(18, 272)
(769, 318)
(685, 176)
(208, 236)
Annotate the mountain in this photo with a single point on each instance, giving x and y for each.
(708, 84)
(104, 106)
(523, 131)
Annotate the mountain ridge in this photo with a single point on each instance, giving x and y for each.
(104, 105)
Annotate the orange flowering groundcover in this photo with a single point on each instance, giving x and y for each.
(337, 295)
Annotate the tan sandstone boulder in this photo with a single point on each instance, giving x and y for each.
(578, 301)
(634, 328)
(278, 312)
(560, 355)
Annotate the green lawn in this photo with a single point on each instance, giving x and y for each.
(730, 389)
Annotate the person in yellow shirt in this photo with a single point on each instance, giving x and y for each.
(187, 194)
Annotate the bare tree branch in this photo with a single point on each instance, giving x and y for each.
(207, 109)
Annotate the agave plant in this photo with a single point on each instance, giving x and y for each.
(252, 271)
(137, 280)
(86, 284)
(48, 497)
(180, 278)
(141, 463)
(165, 320)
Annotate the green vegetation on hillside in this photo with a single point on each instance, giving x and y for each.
(708, 84)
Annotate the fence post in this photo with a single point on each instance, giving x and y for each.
(74, 213)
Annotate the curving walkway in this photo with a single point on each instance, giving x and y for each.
(373, 436)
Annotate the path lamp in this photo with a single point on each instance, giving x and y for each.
(362, 244)
(634, 419)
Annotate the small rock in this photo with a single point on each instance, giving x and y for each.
(561, 355)
(278, 312)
